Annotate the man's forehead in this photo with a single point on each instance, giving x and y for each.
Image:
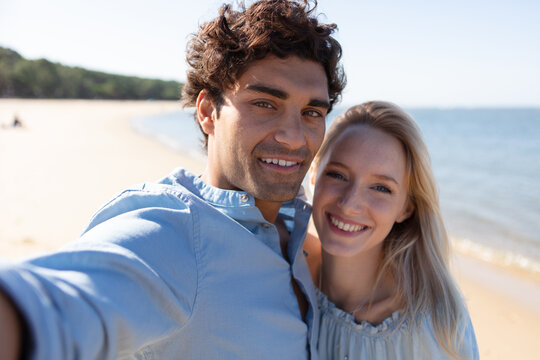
(284, 77)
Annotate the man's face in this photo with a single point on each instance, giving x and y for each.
(269, 128)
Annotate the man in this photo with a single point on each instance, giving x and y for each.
(211, 266)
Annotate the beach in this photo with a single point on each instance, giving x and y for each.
(71, 156)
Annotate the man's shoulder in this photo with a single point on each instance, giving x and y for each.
(152, 194)
(164, 195)
(173, 190)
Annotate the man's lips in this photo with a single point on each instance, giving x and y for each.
(280, 162)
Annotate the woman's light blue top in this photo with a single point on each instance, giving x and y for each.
(340, 337)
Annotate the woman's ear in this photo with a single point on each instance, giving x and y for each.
(206, 112)
(312, 174)
(407, 211)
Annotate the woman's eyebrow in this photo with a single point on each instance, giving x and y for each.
(386, 177)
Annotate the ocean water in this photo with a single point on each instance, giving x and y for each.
(177, 130)
(486, 162)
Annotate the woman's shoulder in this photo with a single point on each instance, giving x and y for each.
(340, 320)
(312, 252)
(397, 334)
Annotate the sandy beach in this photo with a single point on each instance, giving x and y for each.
(71, 156)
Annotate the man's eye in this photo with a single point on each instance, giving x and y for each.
(335, 175)
(263, 104)
(383, 189)
(313, 113)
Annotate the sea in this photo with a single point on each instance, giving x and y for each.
(486, 162)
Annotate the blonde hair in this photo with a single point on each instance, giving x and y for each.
(416, 251)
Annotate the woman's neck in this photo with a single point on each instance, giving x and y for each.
(351, 284)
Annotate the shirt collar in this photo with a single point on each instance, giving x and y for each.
(239, 205)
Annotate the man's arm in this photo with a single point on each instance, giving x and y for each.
(10, 329)
(129, 280)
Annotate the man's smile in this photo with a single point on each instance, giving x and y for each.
(279, 162)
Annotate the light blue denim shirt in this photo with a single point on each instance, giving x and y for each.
(170, 270)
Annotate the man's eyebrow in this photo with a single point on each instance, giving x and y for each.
(268, 90)
(280, 94)
(319, 103)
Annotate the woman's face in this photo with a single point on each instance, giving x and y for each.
(360, 191)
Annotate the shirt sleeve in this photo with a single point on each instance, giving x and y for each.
(129, 281)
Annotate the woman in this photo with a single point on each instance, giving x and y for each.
(385, 288)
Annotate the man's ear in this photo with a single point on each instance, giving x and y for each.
(206, 112)
(408, 209)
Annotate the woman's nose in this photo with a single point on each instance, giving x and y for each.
(351, 200)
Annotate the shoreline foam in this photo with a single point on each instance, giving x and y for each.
(518, 264)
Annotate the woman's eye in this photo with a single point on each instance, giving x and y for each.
(383, 189)
(335, 175)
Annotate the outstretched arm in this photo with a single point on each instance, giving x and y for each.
(10, 329)
(130, 280)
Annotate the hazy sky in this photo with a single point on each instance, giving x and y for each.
(414, 53)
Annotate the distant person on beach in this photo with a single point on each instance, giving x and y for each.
(17, 123)
(381, 264)
(209, 266)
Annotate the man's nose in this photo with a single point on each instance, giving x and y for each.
(290, 131)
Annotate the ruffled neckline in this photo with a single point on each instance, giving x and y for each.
(388, 324)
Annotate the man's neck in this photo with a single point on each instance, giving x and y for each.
(268, 209)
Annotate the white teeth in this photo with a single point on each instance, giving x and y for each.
(346, 227)
(279, 162)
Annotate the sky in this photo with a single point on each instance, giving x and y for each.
(427, 53)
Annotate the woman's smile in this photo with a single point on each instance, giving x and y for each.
(340, 225)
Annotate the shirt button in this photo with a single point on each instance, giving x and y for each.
(265, 225)
(244, 198)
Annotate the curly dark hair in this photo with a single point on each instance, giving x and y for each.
(225, 46)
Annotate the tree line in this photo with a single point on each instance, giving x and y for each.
(20, 77)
